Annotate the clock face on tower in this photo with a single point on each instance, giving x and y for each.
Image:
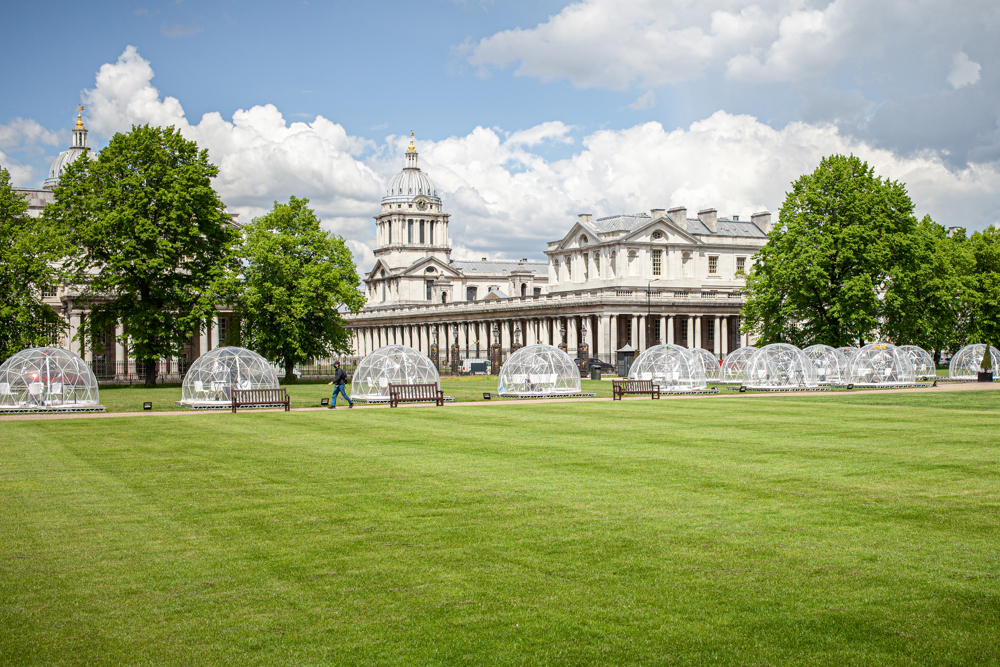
(422, 205)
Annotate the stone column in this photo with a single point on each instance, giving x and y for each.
(613, 345)
(717, 339)
(203, 335)
(213, 329)
(603, 343)
(505, 334)
(670, 331)
(697, 334)
(642, 323)
(120, 348)
(572, 338)
(662, 338)
(690, 333)
(725, 335)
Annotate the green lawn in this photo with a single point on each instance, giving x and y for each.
(845, 529)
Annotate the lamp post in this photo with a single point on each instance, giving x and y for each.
(584, 350)
(517, 338)
(455, 360)
(434, 345)
(496, 354)
(562, 335)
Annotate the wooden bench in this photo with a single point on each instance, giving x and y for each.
(414, 393)
(634, 387)
(246, 398)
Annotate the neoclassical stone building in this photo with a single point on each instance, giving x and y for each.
(622, 280)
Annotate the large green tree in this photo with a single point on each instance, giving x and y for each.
(29, 254)
(295, 277)
(984, 320)
(845, 237)
(153, 239)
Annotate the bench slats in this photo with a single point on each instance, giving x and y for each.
(414, 393)
(633, 387)
(243, 398)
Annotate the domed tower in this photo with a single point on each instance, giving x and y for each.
(411, 225)
(78, 148)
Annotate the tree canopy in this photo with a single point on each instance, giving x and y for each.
(153, 239)
(843, 258)
(295, 277)
(29, 254)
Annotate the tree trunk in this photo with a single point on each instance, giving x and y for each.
(289, 370)
(150, 372)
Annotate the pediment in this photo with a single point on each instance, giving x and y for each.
(572, 238)
(673, 233)
(441, 269)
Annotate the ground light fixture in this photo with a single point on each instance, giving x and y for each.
(487, 395)
(147, 405)
(324, 401)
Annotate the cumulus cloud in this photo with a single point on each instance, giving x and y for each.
(616, 44)
(645, 101)
(965, 72)
(21, 133)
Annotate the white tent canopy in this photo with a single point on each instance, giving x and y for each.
(49, 379)
(881, 364)
(831, 364)
(539, 370)
(965, 365)
(213, 376)
(733, 369)
(672, 367)
(391, 364)
(780, 366)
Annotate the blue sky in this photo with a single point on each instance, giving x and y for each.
(526, 113)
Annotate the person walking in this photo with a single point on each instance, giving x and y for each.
(339, 380)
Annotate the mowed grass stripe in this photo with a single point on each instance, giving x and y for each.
(856, 529)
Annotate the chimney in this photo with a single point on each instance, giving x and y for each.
(762, 220)
(679, 216)
(736, 218)
(657, 213)
(584, 217)
(484, 259)
(710, 218)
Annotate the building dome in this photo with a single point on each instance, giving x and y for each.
(672, 367)
(410, 183)
(47, 378)
(67, 157)
(212, 377)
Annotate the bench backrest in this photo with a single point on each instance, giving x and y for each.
(241, 396)
(413, 391)
(634, 385)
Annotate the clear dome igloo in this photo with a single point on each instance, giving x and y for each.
(848, 352)
(49, 379)
(709, 362)
(539, 370)
(965, 364)
(672, 367)
(780, 366)
(881, 364)
(831, 364)
(391, 364)
(733, 369)
(923, 362)
(212, 377)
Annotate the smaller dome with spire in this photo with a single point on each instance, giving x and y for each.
(410, 183)
(66, 158)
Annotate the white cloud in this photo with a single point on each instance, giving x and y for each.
(21, 133)
(617, 44)
(19, 173)
(645, 101)
(965, 72)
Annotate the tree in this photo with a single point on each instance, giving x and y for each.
(843, 235)
(984, 326)
(153, 238)
(295, 278)
(28, 256)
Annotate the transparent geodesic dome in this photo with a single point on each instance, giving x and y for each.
(848, 352)
(880, 364)
(212, 377)
(831, 364)
(780, 366)
(392, 364)
(965, 365)
(538, 370)
(923, 362)
(672, 367)
(709, 362)
(733, 369)
(47, 378)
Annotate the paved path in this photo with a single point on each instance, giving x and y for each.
(920, 389)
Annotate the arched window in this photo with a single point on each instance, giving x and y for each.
(421, 231)
(657, 236)
(524, 289)
(444, 297)
(583, 240)
(409, 231)
(430, 269)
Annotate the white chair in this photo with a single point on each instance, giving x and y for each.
(245, 385)
(199, 388)
(35, 392)
(646, 376)
(5, 392)
(218, 389)
(55, 392)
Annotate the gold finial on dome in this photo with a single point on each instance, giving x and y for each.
(79, 117)
(412, 148)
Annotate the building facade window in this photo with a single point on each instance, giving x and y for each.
(431, 239)
(409, 231)
(569, 268)
(684, 333)
(430, 289)
(713, 264)
(537, 291)
(421, 232)
(586, 267)
(597, 264)
(710, 331)
(389, 225)
(50, 291)
(657, 262)
(524, 290)
(223, 323)
(741, 265)
(471, 293)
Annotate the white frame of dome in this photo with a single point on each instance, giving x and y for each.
(709, 361)
(831, 364)
(965, 364)
(48, 379)
(672, 367)
(780, 367)
(391, 364)
(848, 352)
(923, 363)
(734, 365)
(539, 371)
(210, 380)
(881, 365)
